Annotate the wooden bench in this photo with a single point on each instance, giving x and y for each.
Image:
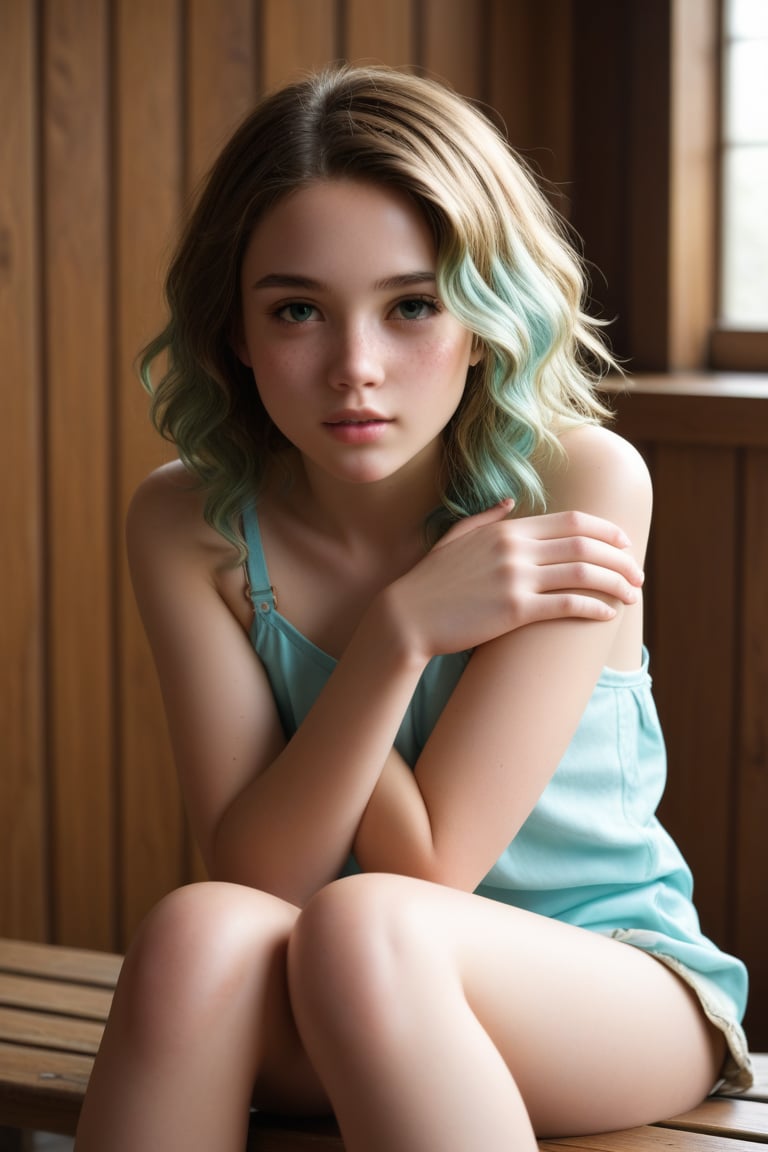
(53, 1004)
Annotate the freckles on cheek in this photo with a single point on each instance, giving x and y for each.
(438, 355)
(448, 365)
(273, 369)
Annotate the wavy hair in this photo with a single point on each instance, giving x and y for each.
(505, 269)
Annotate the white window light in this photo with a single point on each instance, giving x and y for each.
(744, 230)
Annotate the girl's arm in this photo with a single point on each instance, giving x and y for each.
(278, 816)
(516, 707)
(283, 816)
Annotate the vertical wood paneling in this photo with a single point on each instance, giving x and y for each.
(644, 139)
(751, 927)
(221, 76)
(453, 35)
(77, 195)
(22, 783)
(149, 164)
(222, 43)
(707, 626)
(647, 53)
(380, 32)
(599, 184)
(693, 660)
(296, 36)
(530, 50)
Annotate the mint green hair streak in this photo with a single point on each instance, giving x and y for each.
(518, 392)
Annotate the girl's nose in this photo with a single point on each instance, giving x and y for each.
(356, 360)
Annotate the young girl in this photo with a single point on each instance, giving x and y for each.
(393, 592)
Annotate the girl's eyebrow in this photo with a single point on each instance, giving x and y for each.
(287, 280)
(406, 280)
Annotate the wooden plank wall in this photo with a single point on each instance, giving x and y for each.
(110, 111)
(706, 442)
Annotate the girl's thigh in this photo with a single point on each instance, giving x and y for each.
(596, 1034)
(612, 1037)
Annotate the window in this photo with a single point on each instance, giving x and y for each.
(743, 304)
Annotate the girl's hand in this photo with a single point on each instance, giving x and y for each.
(490, 575)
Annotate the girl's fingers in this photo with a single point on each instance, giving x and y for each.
(580, 552)
(579, 576)
(561, 537)
(571, 525)
(572, 605)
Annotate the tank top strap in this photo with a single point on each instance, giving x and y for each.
(260, 589)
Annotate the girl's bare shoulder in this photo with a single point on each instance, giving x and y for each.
(599, 445)
(168, 491)
(166, 516)
(598, 464)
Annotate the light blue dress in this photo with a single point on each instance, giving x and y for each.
(592, 852)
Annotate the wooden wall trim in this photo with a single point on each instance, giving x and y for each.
(742, 350)
(727, 409)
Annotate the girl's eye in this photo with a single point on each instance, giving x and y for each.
(296, 312)
(418, 308)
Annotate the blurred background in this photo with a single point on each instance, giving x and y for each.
(648, 122)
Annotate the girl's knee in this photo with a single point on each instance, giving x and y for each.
(352, 945)
(194, 947)
(188, 930)
(345, 918)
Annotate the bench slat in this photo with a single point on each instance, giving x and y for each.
(48, 1031)
(42, 1089)
(743, 1118)
(649, 1140)
(58, 997)
(66, 1073)
(716, 1126)
(78, 965)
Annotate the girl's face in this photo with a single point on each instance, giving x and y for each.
(355, 359)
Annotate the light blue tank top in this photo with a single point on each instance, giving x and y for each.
(592, 852)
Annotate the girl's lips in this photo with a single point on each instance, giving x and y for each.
(357, 431)
(354, 416)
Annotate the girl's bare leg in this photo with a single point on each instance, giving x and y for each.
(200, 1014)
(439, 1020)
